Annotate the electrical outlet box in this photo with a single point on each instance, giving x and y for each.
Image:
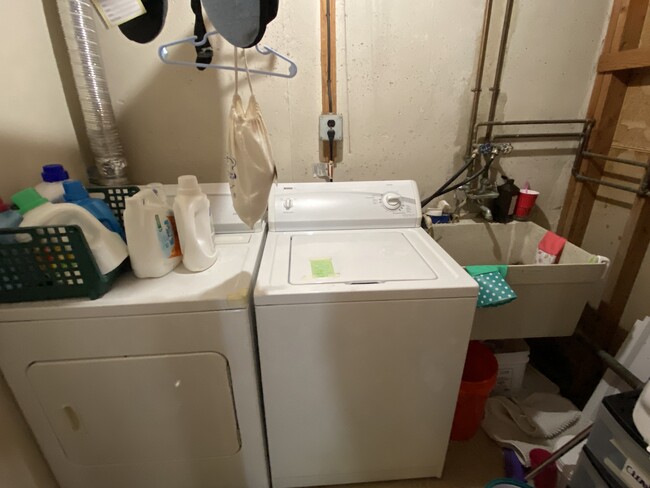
(330, 122)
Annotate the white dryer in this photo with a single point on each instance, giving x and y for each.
(363, 323)
(154, 385)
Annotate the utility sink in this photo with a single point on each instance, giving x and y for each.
(550, 297)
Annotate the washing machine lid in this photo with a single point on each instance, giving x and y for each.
(368, 257)
(357, 265)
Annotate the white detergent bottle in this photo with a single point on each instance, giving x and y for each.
(51, 187)
(151, 234)
(107, 247)
(192, 212)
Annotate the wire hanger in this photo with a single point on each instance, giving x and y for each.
(163, 53)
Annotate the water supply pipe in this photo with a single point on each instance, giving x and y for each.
(479, 76)
(81, 39)
(496, 86)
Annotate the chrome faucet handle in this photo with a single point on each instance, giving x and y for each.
(503, 148)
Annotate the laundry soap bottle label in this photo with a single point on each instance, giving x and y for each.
(168, 236)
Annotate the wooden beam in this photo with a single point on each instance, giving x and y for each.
(575, 215)
(635, 15)
(605, 107)
(618, 21)
(622, 60)
(621, 51)
(323, 54)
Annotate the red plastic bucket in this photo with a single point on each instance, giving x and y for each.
(479, 377)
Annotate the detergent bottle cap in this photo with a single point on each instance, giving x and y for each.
(74, 191)
(28, 199)
(54, 172)
(3, 206)
(188, 185)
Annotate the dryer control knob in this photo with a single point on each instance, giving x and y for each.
(392, 201)
(287, 204)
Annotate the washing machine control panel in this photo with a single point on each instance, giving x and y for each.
(344, 205)
(392, 201)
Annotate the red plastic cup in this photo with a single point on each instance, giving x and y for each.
(525, 203)
(479, 377)
(547, 478)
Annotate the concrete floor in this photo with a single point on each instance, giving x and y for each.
(469, 464)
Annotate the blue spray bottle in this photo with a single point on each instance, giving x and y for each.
(76, 193)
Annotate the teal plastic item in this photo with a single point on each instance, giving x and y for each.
(76, 193)
(493, 288)
(506, 483)
(8, 219)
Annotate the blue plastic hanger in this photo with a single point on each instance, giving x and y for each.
(163, 53)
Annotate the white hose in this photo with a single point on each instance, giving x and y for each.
(85, 57)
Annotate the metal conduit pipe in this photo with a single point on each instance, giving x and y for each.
(479, 76)
(85, 58)
(496, 86)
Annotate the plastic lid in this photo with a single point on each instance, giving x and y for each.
(188, 184)
(54, 172)
(27, 200)
(3, 206)
(74, 191)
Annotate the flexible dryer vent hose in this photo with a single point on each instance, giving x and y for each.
(81, 39)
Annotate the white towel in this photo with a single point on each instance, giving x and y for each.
(529, 423)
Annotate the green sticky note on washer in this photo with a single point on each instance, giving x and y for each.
(322, 268)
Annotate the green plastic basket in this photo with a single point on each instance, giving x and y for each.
(54, 262)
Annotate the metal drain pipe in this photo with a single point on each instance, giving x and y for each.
(81, 39)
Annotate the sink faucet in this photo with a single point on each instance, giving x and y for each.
(486, 212)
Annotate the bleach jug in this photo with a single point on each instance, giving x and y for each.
(151, 234)
(51, 187)
(107, 247)
(8, 220)
(76, 193)
(192, 212)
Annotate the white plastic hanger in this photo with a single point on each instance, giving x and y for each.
(163, 53)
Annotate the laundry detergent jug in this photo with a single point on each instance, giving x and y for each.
(151, 234)
(76, 193)
(192, 212)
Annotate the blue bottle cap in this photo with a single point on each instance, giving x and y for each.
(54, 172)
(74, 190)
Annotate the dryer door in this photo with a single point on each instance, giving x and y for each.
(139, 409)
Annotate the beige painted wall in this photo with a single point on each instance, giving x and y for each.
(404, 90)
(35, 126)
(403, 83)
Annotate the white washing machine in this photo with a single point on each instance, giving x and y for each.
(154, 385)
(363, 323)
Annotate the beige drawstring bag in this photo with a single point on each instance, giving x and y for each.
(248, 156)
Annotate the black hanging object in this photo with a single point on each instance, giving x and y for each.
(204, 51)
(241, 22)
(146, 27)
(504, 204)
